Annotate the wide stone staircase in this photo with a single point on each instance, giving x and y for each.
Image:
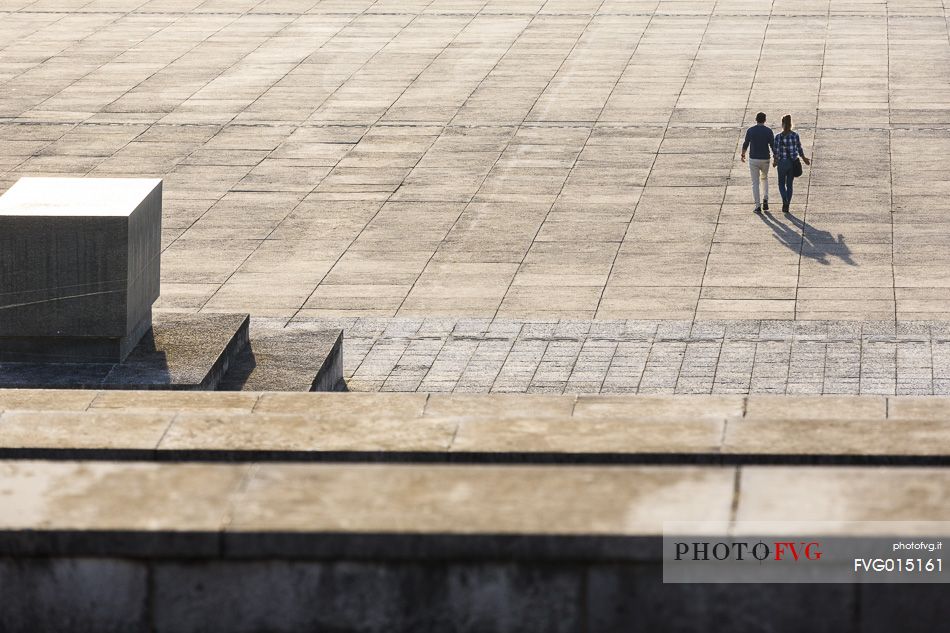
(243, 511)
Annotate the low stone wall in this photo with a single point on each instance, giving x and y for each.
(247, 543)
(103, 595)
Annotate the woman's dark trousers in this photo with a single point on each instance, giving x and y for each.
(785, 180)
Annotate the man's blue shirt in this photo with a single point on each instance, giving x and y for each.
(760, 137)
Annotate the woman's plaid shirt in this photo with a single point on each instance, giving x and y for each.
(787, 146)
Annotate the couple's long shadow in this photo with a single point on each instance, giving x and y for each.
(811, 242)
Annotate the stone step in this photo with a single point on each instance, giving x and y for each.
(283, 360)
(202, 352)
(190, 352)
(475, 428)
(242, 510)
(248, 547)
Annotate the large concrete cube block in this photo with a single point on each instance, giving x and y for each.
(79, 267)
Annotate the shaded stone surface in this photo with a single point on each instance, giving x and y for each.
(79, 594)
(360, 596)
(618, 596)
(180, 595)
(288, 360)
(80, 267)
(73, 349)
(179, 352)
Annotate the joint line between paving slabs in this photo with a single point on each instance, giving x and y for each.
(567, 177)
(890, 169)
(824, 366)
(933, 383)
(755, 358)
(722, 202)
(636, 205)
(666, 130)
(77, 123)
(231, 122)
(504, 363)
(220, 127)
(725, 191)
(537, 367)
(715, 374)
(861, 360)
(650, 340)
(448, 123)
(814, 144)
(610, 363)
(62, 16)
(790, 343)
(369, 127)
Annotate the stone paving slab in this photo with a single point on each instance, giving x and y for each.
(739, 356)
(503, 158)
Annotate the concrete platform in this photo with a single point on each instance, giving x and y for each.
(188, 352)
(278, 547)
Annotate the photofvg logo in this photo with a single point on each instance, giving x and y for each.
(850, 552)
(744, 550)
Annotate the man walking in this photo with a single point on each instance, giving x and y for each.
(760, 138)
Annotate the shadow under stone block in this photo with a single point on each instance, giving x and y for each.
(190, 352)
(79, 267)
(184, 352)
(72, 349)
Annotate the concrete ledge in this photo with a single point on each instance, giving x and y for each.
(470, 429)
(420, 512)
(331, 510)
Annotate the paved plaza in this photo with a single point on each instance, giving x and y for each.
(648, 357)
(520, 159)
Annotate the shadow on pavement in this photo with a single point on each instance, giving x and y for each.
(811, 242)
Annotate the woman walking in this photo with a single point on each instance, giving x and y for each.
(786, 151)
